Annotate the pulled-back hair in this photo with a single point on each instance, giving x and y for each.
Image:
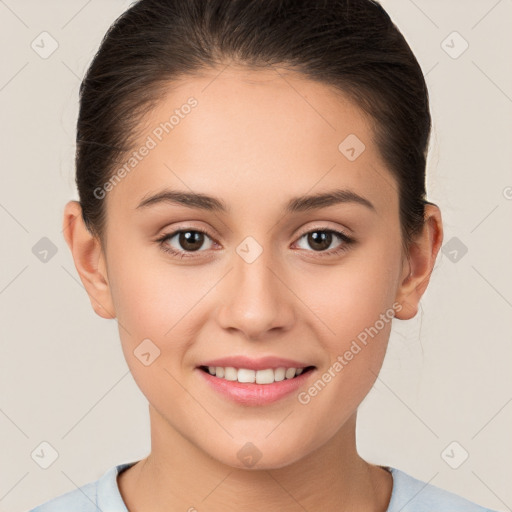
(351, 45)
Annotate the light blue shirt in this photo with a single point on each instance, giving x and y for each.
(408, 495)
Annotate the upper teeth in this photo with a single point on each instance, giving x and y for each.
(258, 376)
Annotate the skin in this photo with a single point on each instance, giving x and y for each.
(255, 140)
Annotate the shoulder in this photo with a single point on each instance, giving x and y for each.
(102, 494)
(78, 500)
(412, 495)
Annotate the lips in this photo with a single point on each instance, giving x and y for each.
(263, 363)
(255, 381)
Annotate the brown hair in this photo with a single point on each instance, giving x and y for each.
(350, 44)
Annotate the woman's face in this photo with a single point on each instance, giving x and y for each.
(270, 281)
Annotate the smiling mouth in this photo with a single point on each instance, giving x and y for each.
(246, 376)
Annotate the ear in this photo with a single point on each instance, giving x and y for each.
(89, 260)
(420, 263)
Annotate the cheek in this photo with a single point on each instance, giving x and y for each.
(351, 296)
(353, 308)
(151, 295)
(153, 305)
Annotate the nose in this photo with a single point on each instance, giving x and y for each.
(256, 299)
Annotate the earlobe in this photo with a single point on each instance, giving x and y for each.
(89, 260)
(420, 264)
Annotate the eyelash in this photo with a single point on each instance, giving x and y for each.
(185, 254)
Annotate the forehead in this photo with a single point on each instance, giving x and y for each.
(264, 134)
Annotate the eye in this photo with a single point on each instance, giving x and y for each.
(187, 240)
(321, 239)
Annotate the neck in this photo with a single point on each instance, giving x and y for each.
(178, 476)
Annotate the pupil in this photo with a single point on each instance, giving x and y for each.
(320, 237)
(188, 238)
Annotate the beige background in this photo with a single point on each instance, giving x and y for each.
(447, 373)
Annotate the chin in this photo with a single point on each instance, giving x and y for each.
(260, 455)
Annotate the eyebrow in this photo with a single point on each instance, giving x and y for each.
(294, 205)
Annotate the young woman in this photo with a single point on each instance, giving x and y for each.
(252, 212)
